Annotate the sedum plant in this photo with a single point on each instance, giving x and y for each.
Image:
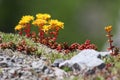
(46, 27)
(108, 30)
(48, 30)
(114, 49)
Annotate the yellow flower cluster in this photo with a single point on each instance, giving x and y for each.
(43, 16)
(44, 22)
(18, 27)
(39, 22)
(24, 20)
(56, 24)
(108, 28)
(46, 28)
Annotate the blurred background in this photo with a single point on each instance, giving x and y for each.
(84, 19)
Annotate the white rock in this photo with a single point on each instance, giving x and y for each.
(105, 53)
(94, 62)
(86, 58)
(38, 64)
(12, 71)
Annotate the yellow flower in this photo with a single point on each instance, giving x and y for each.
(46, 28)
(56, 24)
(19, 27)
(26, 19)
(39, 22)
(108, 28)
(43, 16)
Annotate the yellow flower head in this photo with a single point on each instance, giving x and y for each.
(43, 16)
(39, 22)
(108, 28)
(46, 28)
(19, 27)
(26, 19)
(56, 24)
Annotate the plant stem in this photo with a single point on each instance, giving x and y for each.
(41, 34)
(110, 41)
(27, 30)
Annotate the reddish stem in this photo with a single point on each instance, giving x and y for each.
(27, 30)
(20, 32)
(55, 34)
(110, 42)
(41, 34)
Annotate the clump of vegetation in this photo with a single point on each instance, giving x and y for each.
(21, 46)
(48, 30)
(108, 30)
(114, 49)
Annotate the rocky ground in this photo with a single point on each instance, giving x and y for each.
(18, 66)
(15, 65)
(87, 64)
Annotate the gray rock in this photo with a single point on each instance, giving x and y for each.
(52, 76)
(38, 64)
(60, 74)
(57, 62)
(1, 54)
(44, 68)
(37, 70)
(19, 60)
(76, 66)
(3, 64)
(101, 66)
(5, 61)
(90, 72)
(12, 71)
(8, 52)
(48, 71)
(18, 66)
(1, 58)
(26, 73)
(1, 50)
(5, 77)
(43, 58)
(20, 74)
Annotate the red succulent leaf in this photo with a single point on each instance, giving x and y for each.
(87, 42)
